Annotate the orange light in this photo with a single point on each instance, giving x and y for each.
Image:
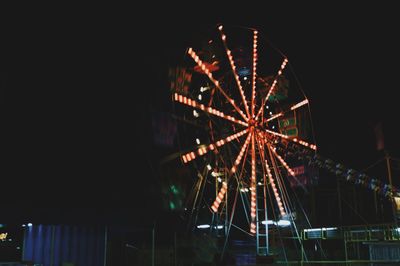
(210, 110)
(274, 117)
(219, 197)
(232, 63)
(272, 182)
(184, 159)
(216, 83)
(254, 73)
(283, 65)
(291, 172)
(277, 134)
(239, 157)
(306, 144)
(299, 104)
(203, 150)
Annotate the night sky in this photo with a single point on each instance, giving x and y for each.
(85, 87)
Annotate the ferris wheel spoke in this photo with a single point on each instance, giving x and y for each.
(253, 187)
(270, 177)
(292, 108)
(233, 67)
(296, 140)
(283, 162)
(220, 197)
(241, 153)
(283, 65)
(193, 103)
(222, 191)
(204, 149)
(215, 82)
(253, 94)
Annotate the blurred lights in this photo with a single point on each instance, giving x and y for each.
(190, 102)
(299, 104)
(291, 172)
(274, 116)
(241, 153)
(253, 203)
(203, 226)
(233, 67)
(220, 197)
(253, 94)
(216, 82)
(276, 194)
(203, 89)
(281, 223)
(283, 65)
(311, 146)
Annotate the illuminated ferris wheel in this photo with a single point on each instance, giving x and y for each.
(241, 109)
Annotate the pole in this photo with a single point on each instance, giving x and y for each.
(389, 170)
(153, 244)
(175, 261)
(376, 206)
(339, 202)
(53, 229)
(105, 245)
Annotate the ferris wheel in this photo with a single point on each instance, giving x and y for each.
(241, 110)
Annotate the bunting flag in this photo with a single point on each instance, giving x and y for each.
(180, 78)
(350, 175)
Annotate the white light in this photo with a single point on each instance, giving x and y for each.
(29, 224)
(199, 97)
(245, 78)
(197, 141)
(195, 113)
(267, 107)
(273, 127)
(213, 173)
(330, 228)
(246, 189)
(203, 226)
(320, 229)
(259, 183)
(283, 223)
(270, 113)
(270, 222)
(219, 227)
(208, 167)
(203, 89)
(23, 225)
(219, 179)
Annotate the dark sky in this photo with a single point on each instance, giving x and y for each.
(85, 85)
